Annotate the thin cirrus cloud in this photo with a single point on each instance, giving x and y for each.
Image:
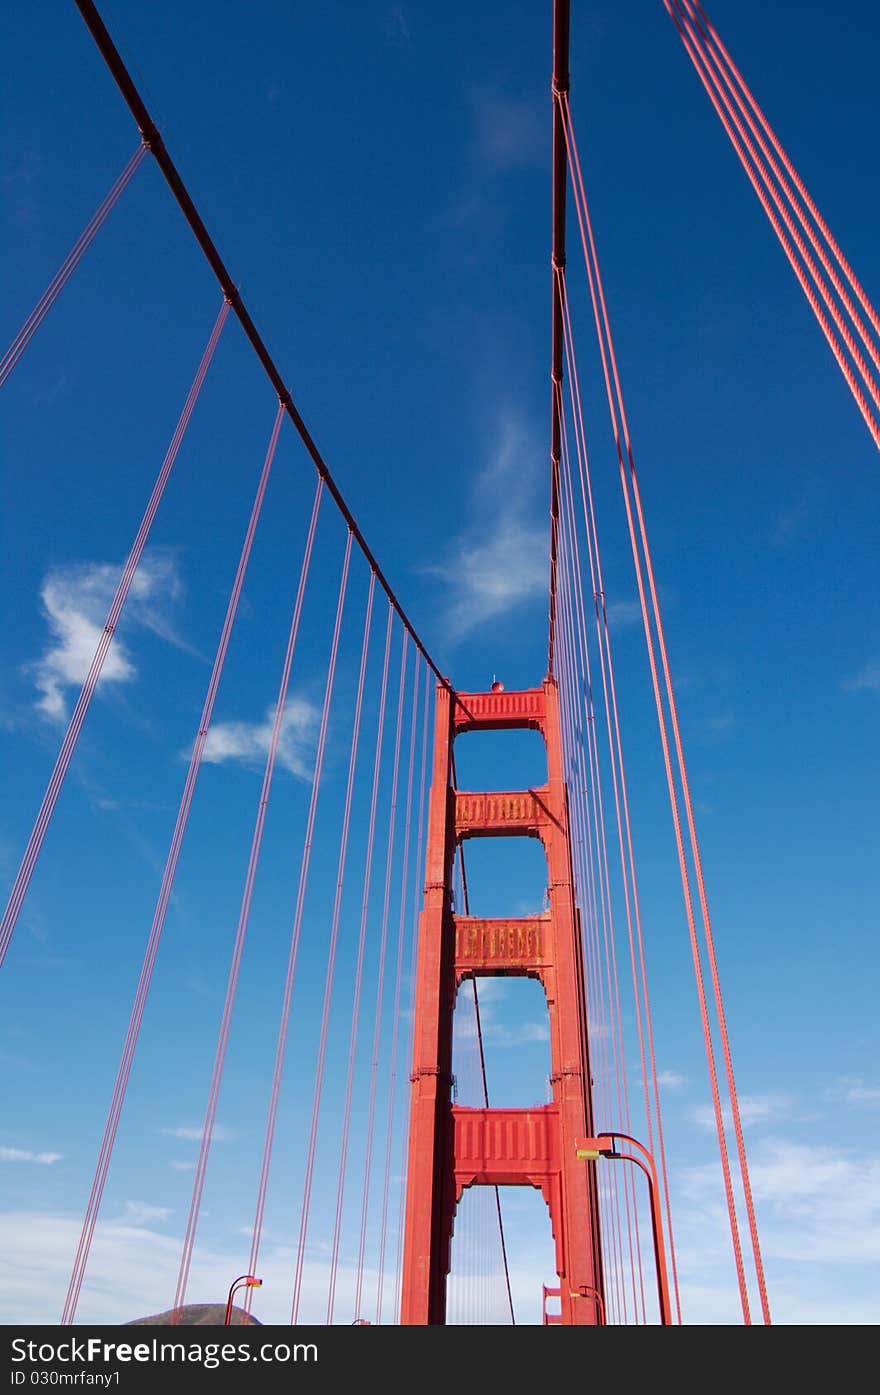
(867, 680)
(499, 563)
(671, 1080)
(24, 1155)
(192, 1133)
(859, 1093)
(753, 1110)
(509, 131)
(819, 1211)
(140, 1213)
(248, 742)
(75, 600)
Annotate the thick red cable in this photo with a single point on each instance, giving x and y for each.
(593, 267)
(792, 172)
(158, 149)
(331, 960)
(870, 421)
(68, 266)
(398, 983)
(615, 747)
(380, 984)
(414, 941)
(359, 971)
(62, 762)
(238, 947)
(128, 1050)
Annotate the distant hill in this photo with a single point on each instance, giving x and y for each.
(198, 1315)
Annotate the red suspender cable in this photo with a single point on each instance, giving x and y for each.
(50, 798)
(616, 405)
(380, 985)
(331, 959)
(362, 939)
(67, 267)
(94, 1202)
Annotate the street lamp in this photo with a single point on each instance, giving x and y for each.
(243, 1281)
(603, 1146)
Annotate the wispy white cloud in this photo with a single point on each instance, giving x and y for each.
(867, 680)
(192, 1133)
(181, 1165)
(133, 1270)
(75, 600)
(499, 562)
(508, 130)
(753, 1110)
(719, 726)
(523, 1034)
(140, 1213)
(671, 1080)
(491, 992)
(856, 1091)
(622, 615)
(24, 1155)
(818, 1211)
(792, 521)
(397, 27)
(248, 742)
(818, 1203)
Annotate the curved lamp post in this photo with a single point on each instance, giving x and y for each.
(243, 1281)
(603, 1146)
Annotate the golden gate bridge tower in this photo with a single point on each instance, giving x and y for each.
(450, 1146)
(557, 1148)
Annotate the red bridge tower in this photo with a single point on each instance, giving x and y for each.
(451, 1147)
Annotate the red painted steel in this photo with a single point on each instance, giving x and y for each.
(452, 1147)
(494, 948)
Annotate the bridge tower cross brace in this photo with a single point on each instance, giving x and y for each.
(452, 1147)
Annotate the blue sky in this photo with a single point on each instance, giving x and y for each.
(377, 178)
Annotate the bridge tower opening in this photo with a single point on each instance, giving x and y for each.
(451, 1146)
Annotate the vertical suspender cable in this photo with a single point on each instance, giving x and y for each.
(581, 657)
(128, 1050)
(398, 983)
(609, 356)
(601, 922)
(241, 932)
(380, 984)
(792, 172)
(331, 960)
(68, 266)
(244, 911)
(708, 80)
(572, 721)
(359, 972)
(621, 798)
(287, 995)
(53, 789)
